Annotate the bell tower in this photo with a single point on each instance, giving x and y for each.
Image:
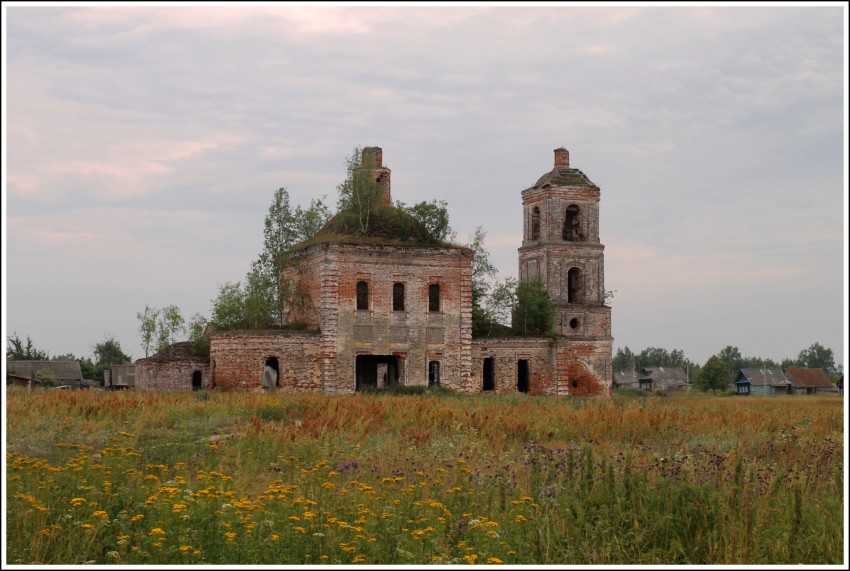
(561, 248)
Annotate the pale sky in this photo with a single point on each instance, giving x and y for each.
(143, 145)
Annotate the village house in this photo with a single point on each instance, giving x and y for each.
(46, 374)
(668, 379)
(762, 382)
(391, 310)
(809, 381)
(626, 379)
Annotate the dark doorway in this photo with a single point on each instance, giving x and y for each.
(196, 381)
(376, 371)
(489, 375)
(433, 373)
(271, 374)
(522, 375)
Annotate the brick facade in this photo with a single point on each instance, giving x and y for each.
(408, 338)
(238, 360)
(175, 370)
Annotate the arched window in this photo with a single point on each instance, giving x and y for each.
(572, 225)
(433, 373)
(362, 295)
(398, 297)
(575, 287)
(535, 223)
(434, 297)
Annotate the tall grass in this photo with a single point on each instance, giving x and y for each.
(164, 478)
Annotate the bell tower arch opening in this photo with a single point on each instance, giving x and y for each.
(535, 223)
(572, 225)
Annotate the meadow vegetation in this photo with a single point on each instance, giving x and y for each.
(225, 478)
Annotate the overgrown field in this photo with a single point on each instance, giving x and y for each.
(163, 478)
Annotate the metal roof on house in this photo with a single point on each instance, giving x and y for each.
(665, 375)
(626, 378)
(67, 371)
(764, 377)
(809, 379)
(563, 176)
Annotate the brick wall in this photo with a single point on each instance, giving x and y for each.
(575, 368)
(238, 360)
(157, 373)
(414, 336)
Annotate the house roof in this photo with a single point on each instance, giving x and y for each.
(809, 378)
(62, 370)
(763, 377)
(665, 375)
(626, 378)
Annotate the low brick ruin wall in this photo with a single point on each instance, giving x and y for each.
(174, 374)
(238, 360)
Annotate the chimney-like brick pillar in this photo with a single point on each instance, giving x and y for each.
(372, 157)
(562, 157)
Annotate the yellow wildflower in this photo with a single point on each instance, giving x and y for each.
(87, 526)
(137, 517)
(78, 501)
(520, 518)
(493, 561)
(156, 531)
(100, 513)
(185, 548)
(471, 558)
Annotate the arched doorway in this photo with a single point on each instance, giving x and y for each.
(522, 375)
(271, 373)
(489, 374)
(197, 381)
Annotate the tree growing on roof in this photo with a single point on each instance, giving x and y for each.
(359, 193)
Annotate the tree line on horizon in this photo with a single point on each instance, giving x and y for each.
(722, 368)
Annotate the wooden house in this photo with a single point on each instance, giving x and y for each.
(664, 379)
(809, 381)
(66, 373)
(762, 382)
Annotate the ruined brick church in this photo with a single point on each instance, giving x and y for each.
(390, 313)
